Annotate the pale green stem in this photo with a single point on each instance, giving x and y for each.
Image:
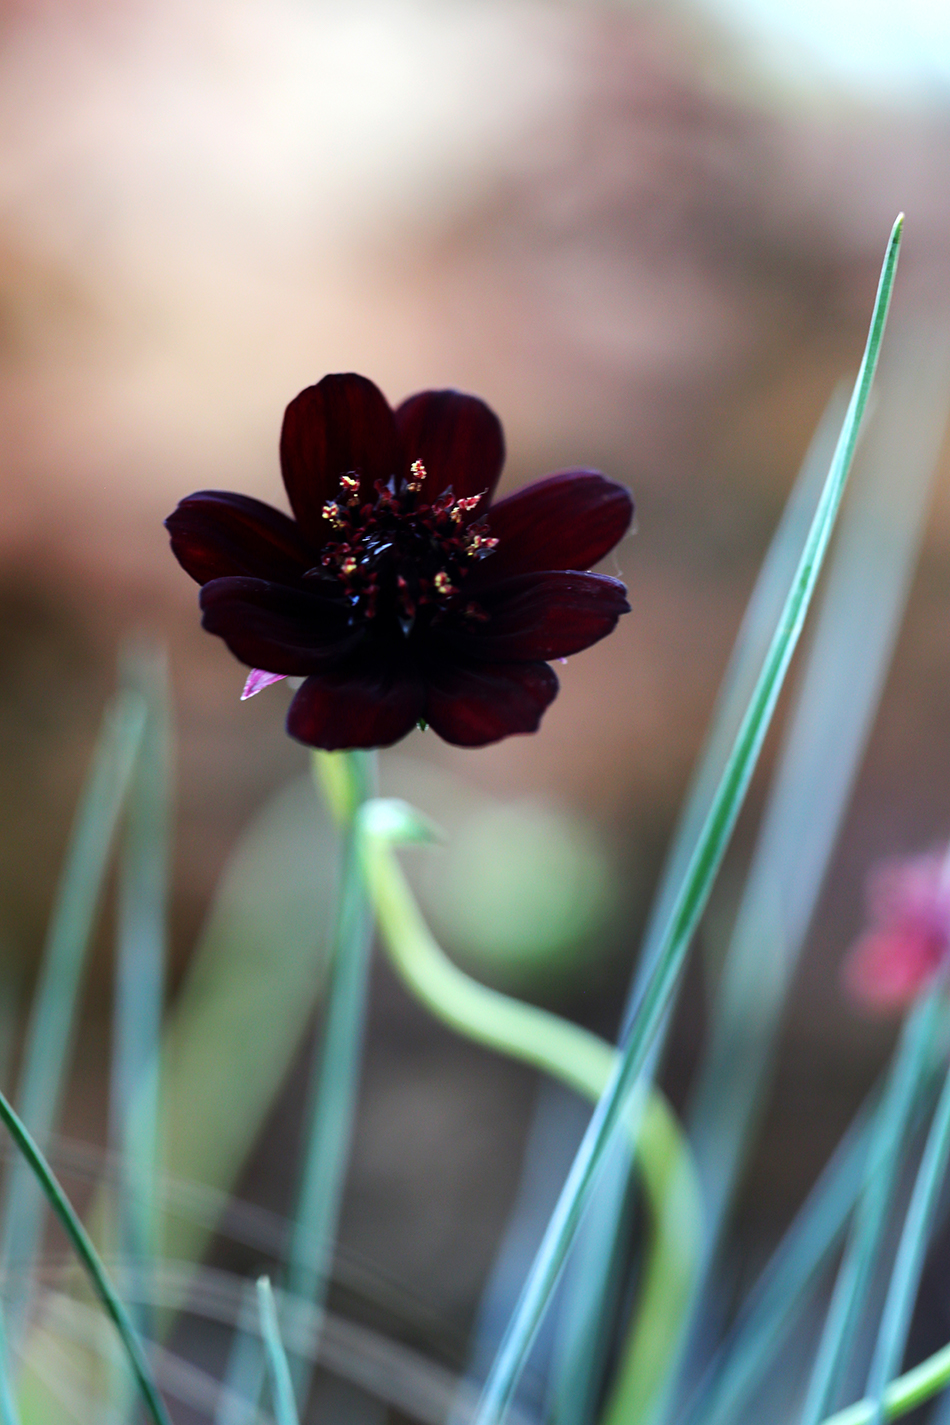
(577, 1058)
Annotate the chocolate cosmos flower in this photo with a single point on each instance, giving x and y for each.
(397, 591)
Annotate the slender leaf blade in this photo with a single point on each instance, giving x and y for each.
(693, 893)
(284, 1405)
(51, 1027)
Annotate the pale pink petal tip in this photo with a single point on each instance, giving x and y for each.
(258, 680)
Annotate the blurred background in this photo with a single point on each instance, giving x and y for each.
(649, 237)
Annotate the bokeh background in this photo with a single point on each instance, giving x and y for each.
(649, 237)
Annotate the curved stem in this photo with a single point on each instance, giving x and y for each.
(577, 1058)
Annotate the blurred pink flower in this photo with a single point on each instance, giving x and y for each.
(909, 904)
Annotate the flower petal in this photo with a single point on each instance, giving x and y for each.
(459, 441)
(542, 616)
(342, 425)
(257, 680)
(371, 700)
(277, 629)
(217, 535)
(568, 521)
(888, 968)
(472, 706)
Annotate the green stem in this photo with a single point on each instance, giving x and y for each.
(90, 1259)
(581, 1060)
(345, 780)
(913, 1388)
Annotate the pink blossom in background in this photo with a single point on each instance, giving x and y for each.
(909, 942)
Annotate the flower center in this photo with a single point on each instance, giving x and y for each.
(397, 556)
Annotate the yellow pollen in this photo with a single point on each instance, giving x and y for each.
(417, 472)
(443, 584)
(349, 566)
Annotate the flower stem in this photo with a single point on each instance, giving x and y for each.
(581, 1060)
(345, 779)
(90, 1259)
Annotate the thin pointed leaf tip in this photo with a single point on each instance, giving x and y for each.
(398, 591)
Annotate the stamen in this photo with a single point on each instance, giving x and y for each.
(433, 545)
(350, 486)
(465, 507)
(478, 544)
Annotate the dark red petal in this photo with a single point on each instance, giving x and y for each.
(217, 535)
(276, 628)
(481, 703)
(458, 439)
(542, 616)
(371, 700)
(342, 425)
(568, 521)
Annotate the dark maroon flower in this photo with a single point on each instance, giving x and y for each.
(398, 592)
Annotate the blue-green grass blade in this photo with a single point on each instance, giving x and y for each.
(51, 1027)
(908, 1265)
(828, 728)
(253, 983)
(582, 1319)
(693, 893)
(89, 1257)
(335, 1081)
(781, 1292)
(885, 1159)
(284, 1407)
(913, 1388)
(245, 1370)
(9, 1414)
(591, 1289)
(752, 643)
(140, 977)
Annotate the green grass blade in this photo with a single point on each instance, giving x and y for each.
(881, 1175)
(908, 1265)
(140, 975)
(335, 1082)
(693, 893)
(279, 1370)
(88, 1256)
(51, 1027)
